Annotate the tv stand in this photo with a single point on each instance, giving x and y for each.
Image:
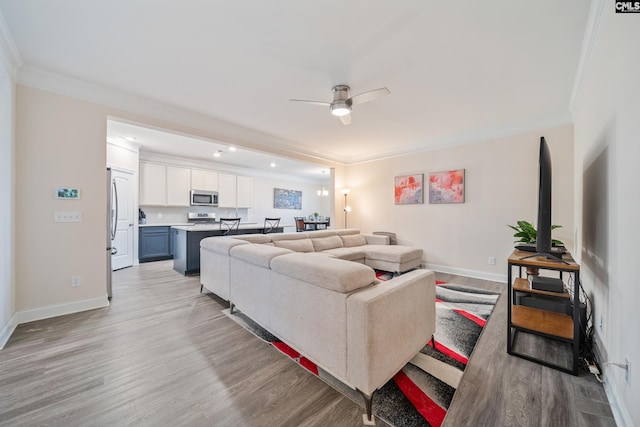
(549, 324)
(546, 255)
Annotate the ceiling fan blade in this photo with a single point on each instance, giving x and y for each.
(346, 120)
(369, 96)
(326, 104)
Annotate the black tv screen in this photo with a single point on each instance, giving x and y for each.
(543, 237)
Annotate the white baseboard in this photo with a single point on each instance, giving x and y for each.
(7, 330)
(61, 310)
(620, 414)
(502, 278)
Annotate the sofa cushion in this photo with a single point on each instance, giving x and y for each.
(325, 272)
(254, 238)
(347, 231)
(355, 253)
(323, 243)
(260, 255)
(391, 253)
(275, 237)
(352, 240)
(221, 245)
(301, 245)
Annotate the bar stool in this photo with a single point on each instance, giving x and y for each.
(270, 224)
(229, 225)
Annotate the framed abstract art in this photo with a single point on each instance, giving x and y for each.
(408, 189)
(446, 186)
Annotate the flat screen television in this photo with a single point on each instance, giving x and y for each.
(544, 243)
(543, 237)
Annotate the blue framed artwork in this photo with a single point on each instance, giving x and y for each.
(287, 199)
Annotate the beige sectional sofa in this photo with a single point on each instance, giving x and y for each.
(317, 292)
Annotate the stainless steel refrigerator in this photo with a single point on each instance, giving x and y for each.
(112, 221)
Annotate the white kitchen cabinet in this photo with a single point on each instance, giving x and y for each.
(153, 184)
(226, 190)
(178, 186)
(204, 180)
(244, 191)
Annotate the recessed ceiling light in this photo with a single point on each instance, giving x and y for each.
(232, 148)
(273, 165)
(217, 154)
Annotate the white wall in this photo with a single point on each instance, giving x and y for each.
(60, 141)
(607, 199)
(501, 187)
(7, 286)
(311, 202)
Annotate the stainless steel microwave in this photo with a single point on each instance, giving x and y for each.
(204, 198)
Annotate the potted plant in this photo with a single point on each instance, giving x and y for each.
(526, 234)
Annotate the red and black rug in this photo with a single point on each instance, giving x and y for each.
(420, 394)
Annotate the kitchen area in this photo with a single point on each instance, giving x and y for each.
(180, 200)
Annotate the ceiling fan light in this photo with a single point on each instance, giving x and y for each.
(340, 109)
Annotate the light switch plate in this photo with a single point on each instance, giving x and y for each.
(60, 216)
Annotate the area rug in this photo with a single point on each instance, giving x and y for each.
(420, 394)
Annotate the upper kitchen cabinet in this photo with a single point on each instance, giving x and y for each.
(244, 194)
(162, 185)
(204, 180)
(178, 186)
(235, 191)
(153, 184)
(226, 190)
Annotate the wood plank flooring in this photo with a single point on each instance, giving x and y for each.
(164, 354)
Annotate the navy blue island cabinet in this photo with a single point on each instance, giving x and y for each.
(154, 243)
(186, 244)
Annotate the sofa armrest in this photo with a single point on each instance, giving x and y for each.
(387, 325)
(375, 239)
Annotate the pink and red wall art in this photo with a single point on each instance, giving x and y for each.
(446, 186)
(408, 189)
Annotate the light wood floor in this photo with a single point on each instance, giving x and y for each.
(164, 354)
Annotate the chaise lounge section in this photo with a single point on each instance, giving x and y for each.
(325, 301)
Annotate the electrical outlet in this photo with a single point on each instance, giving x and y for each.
(75, 281)
(492, 260)
(627, 373)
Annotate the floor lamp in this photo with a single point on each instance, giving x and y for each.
(347, 208)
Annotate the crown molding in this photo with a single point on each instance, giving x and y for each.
(10, 56)
(588, 42)
(223, 131)
(173, 160)
(126, 145)
(471, 138)
(230, 133)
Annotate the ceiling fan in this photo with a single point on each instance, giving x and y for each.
(342, 103)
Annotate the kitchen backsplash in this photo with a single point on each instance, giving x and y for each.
(178, 215)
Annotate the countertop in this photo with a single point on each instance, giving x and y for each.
(164, 224)
(216, 226)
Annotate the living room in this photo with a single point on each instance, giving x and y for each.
(55, 135)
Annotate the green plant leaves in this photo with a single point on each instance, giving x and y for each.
(526, 233)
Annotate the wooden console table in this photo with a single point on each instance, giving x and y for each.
(549, 324)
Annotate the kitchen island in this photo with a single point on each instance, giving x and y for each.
(186, 243)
